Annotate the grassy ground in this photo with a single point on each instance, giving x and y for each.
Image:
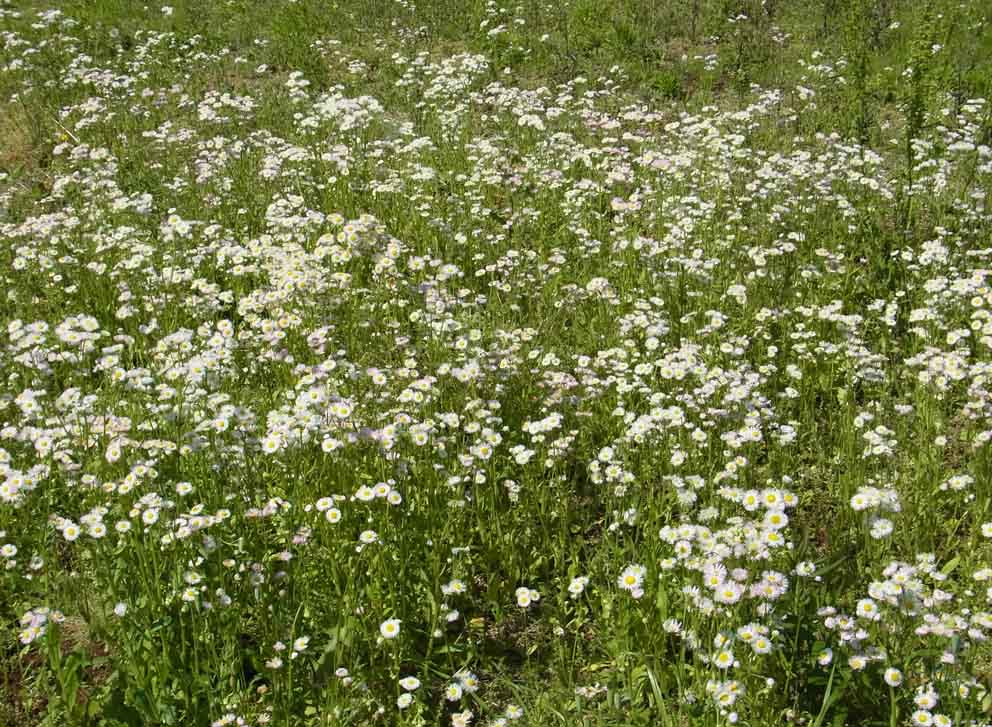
(582, 363)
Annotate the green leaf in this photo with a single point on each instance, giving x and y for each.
(662, 602)
(116, 708)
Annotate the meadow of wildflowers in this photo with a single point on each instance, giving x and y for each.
(423, 362)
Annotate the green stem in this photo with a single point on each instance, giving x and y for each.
(826, 697)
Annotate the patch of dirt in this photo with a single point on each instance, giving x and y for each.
(17, 705)
(17, 151)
